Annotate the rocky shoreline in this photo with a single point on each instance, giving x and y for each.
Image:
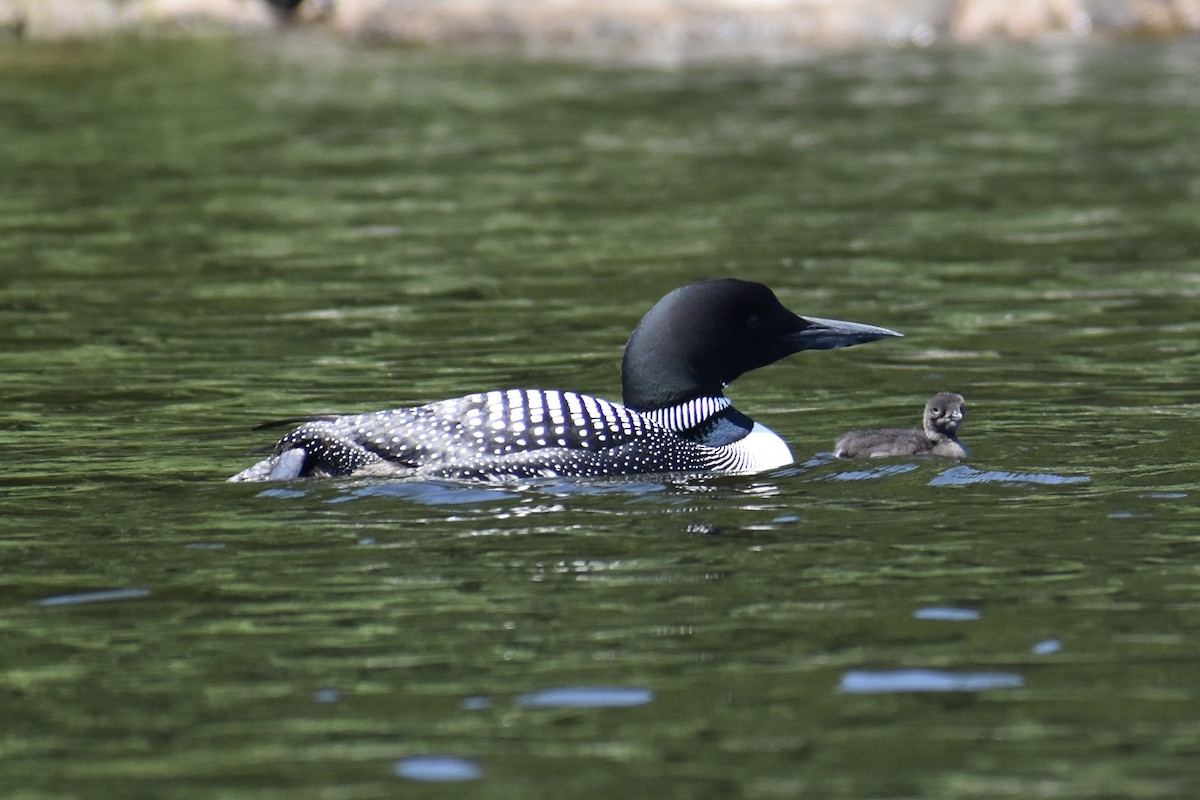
(639, 30)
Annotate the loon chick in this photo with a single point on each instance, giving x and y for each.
(943, 415)
(675, 418)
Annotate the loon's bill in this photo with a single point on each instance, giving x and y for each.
(826, 334)
(674, 417)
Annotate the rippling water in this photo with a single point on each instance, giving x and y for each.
(199, 237)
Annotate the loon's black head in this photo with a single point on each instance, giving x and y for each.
(702, 336)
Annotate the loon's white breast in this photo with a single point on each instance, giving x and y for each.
(764, 449)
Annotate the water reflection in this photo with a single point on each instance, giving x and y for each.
(432, 493)
(438, 769)
(586, 697)
(476, 702)
(523, 498)
(1046, 647)
(103, 596)
(465, 492)
(926, 680)
(947, 614)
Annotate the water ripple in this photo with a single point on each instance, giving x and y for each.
(872, 474)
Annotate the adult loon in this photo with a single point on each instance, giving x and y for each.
(943, 415)
(675, 418)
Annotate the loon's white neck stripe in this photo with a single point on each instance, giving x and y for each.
(688, 415)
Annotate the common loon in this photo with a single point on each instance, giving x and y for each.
(675, 418)
(943, 415)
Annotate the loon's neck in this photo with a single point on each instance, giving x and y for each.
(709, 421)
(712, 421)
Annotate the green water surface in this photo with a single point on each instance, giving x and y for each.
(196, 237)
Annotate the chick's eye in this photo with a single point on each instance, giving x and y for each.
(936, 410)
